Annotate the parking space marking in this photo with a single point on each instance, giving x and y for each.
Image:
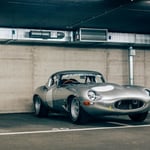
(55, 130)
(117, 123)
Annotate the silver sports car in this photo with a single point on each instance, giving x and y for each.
(82, 93)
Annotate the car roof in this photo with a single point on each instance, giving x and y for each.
(76, 71)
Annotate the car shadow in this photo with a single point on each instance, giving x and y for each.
(28, 121)
(122, 120)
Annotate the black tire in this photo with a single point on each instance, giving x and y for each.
(76, 113)
(138, 117)
(40, 109)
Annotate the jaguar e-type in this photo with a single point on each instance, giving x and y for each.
(83, 93)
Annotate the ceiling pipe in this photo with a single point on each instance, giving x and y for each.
(132, 53)
(101, 36)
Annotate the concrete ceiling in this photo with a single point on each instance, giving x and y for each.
(132, 16)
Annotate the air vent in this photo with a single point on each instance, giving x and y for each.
(46, 34)
(92, 35)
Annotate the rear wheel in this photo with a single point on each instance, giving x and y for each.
(138, 117)
(39, 108)
(76, 112)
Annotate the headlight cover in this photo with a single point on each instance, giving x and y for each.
(91, 95)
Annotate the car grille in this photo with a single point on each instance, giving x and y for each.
(129, 104)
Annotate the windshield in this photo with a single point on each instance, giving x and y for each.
(81, 78)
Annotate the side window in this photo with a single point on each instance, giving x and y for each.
(54, 80)
(50, 82)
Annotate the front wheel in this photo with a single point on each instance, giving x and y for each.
(138, 117)
(76, 112)
(40, 109)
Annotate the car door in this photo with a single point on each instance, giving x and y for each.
(51, 87)
(60, 94)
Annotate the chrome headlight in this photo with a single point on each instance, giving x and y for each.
(92, 95)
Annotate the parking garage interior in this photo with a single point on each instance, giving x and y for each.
(40, 37)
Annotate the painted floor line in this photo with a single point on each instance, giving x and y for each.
(56, 130)
(117, 123)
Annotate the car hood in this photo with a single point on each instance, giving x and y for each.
(110, 90)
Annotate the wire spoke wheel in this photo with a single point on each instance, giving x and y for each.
(76, 113)
(37, 106)
(40, 109)
(75, 109)
(138, 117)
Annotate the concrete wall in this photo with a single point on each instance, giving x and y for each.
(23, 68)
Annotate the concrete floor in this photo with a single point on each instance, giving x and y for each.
(25, 131)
